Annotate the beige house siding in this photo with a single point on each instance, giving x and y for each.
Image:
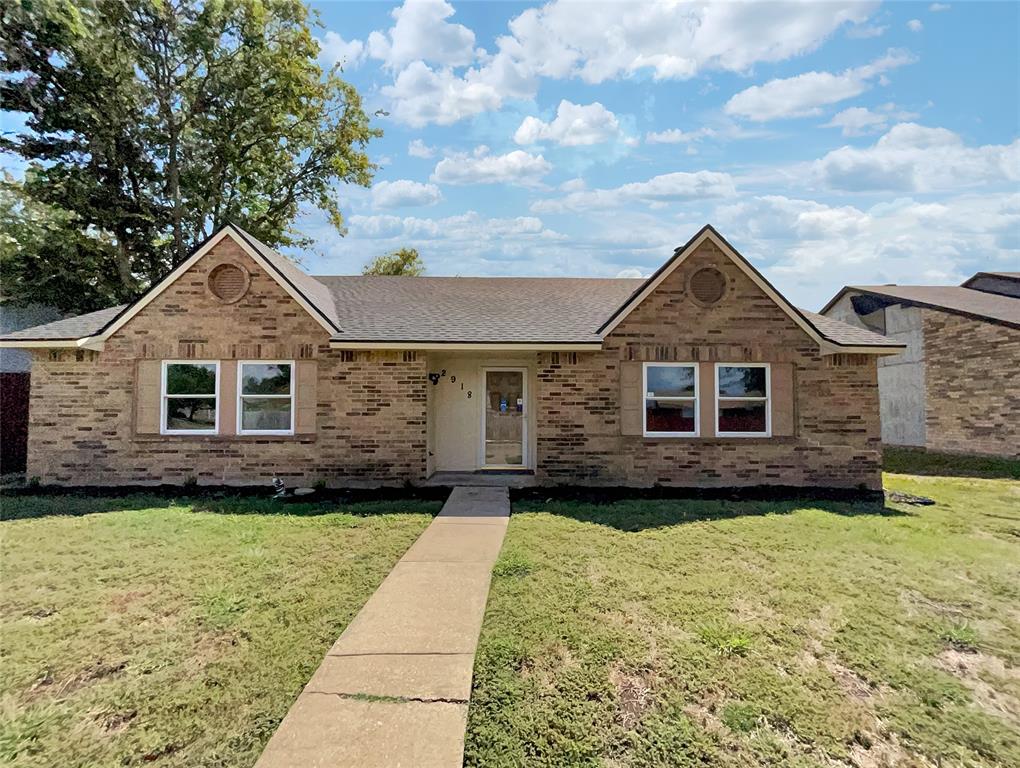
(371, 406)
(972, 385)
(835, 420)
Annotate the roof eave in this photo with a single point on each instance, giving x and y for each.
(436, 345)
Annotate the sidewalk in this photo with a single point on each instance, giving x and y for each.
(393, 689)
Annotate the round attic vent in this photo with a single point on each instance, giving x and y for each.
(708, 286)
(228, 282)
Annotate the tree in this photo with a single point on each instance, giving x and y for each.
(151, 123)
(405, 262)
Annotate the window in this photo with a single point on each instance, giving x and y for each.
(671, 399)
(265, 397)
(190, 390)
(742, 403)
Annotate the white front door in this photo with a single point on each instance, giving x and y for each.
(504, 418)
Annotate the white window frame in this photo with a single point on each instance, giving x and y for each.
(767, 399)
(241, 396)
(164, 397)
(696, 400)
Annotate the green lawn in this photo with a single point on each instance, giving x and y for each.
(174, 634)
(687, 633)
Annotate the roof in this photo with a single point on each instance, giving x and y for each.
(453, 310)
(70, 328)
(980, 305)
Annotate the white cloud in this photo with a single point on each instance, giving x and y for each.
(421, 33)
(480, 167)
(657, 191)
(421, 95)
(418, 148)
(676, 136)
(574, 125)
(573, 185)
(333, 49)
(593, 42)
(404, 193)
(915, 158)
(938, 7)
(814, 249)
(865, 31)
(915, 25)
(603, 41)
(858, 121)
(630, 272)
(806, 94)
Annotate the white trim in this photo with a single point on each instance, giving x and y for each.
(767, 399)
(827, 346)
(483, 402)
(434, 346)
(239, 395)
(188, 263)
(645, 398)
(163, 397)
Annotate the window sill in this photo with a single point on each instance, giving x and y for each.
(717, 440)
(154, 438)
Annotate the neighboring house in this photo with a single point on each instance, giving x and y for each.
(14, 383)
(238, 367)
(956, 387)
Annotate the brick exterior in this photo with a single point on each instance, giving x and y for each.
(371, 405)
(837, 435)
(372, 409)
(972, 385)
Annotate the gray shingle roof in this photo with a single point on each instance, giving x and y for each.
(845, 334)
(475, 309)
(493, 310)
(69, 328)
(951, 298)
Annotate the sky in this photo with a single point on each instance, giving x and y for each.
(831, 143)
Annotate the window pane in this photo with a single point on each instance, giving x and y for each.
(670, 381)
(741, 381)
(191, 379)
(265, 379)
(735, 416)
(259, 414)
(669, 416)
(191, 413)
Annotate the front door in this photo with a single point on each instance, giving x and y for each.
(504, 418)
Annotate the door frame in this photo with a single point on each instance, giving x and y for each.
(483, 400)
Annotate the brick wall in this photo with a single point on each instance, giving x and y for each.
(837, 433)
(371, 405)
(972, 385)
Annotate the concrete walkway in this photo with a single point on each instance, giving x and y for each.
(393, 689)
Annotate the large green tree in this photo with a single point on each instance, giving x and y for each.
(151, 123)
(403, 262)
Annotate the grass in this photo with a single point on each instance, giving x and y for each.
(920, 462)
(694, 633)
(175, 633)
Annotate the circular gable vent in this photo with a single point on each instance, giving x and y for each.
(708, 286)
(228, 282)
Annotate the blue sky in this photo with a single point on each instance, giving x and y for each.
(830, 142)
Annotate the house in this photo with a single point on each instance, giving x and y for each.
(238, 367)
(15, 365)
(956, 387)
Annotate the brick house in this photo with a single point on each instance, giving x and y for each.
(238, 367)
(956, 387)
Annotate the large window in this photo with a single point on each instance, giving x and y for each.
(189, 396)
(265, 397)
(671, 399)
(743, 408)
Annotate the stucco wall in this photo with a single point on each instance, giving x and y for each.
(837, 436)
(901, 378)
